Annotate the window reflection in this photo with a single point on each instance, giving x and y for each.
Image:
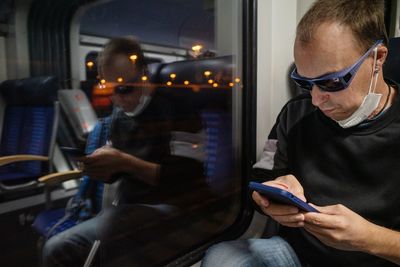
(163, 175)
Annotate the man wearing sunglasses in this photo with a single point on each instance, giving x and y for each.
(154, 152)
(336, 146)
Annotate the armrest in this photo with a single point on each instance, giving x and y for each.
(59, 177)
(15, 158)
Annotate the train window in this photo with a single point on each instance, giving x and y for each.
(154, 91)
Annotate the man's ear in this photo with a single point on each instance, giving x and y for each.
(381, 55)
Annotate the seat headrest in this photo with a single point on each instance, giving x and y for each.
(152, 71)
(198, 91)
(220, 69)
(391, 69)
(33, 91)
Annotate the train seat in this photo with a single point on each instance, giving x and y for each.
(191, 83)
(204, 214)
(28, 131)
(214, 105)
(392, 64)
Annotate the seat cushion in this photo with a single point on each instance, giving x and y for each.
(9, 176)
(47, 219)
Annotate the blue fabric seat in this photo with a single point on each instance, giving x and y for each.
(214, 106)
(219, 160)
(29, 128)
(392, 65)
(88, 200)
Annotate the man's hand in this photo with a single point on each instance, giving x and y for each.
(103, 163)
(106, 161)
(339, 227)
(284, 214)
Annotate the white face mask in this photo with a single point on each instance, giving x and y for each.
(143, 101)
(369, 104)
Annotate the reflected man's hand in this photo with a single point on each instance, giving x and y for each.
(103, 163)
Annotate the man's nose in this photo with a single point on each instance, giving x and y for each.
(319, 97)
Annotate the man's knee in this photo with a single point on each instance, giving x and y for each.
(215, 251)
(212, 256)
(233, 253)
(51, 251)
(274, 251)
(66, 249)
(252, 252)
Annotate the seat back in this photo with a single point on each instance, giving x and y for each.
(79, 112)
(29, 125)
(392, 65)
(214, 106)
(213, 102)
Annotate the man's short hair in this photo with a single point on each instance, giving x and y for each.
(364, 17)
(126, 46)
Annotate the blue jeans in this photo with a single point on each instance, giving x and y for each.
(272, 252)
(117, 229)
(71, 247)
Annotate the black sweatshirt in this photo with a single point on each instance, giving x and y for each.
(165, 133)
(357, 167)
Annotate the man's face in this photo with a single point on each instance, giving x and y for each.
(122, 71)
(333, 49)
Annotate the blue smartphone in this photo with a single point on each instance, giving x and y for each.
(280, 196)
(73, 151)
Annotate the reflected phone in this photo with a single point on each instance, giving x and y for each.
(73, 151)
(281, 196)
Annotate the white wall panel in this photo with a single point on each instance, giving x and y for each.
(277, 21)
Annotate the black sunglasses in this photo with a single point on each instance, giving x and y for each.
(124, 89)
(332, 82)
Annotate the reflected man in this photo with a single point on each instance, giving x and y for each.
(155, 153)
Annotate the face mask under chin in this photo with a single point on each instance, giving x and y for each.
(143, 101)
(370, 102)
